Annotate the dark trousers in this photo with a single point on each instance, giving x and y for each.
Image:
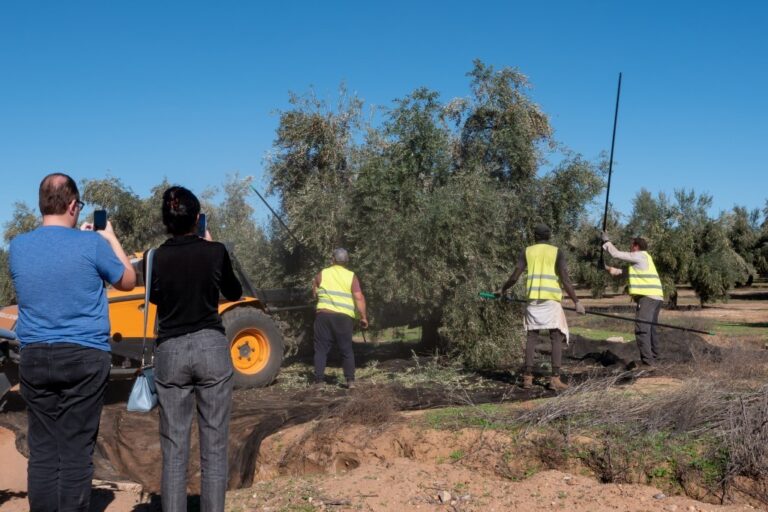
(557, 338)
(330, 327)
(63, 385)
(647, 336)
(194, 369)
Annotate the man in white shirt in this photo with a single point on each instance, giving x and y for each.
(645, 289)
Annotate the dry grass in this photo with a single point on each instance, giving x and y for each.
(705, 436)
(695, 407)
(371, 406)
(709, 435)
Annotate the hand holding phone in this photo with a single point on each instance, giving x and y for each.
(99, 220)
(201, 225)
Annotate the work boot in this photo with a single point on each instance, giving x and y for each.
(556, 384)
(527, 381)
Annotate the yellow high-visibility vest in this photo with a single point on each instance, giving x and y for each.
(645, 282)
(543, 283)
(335, 290)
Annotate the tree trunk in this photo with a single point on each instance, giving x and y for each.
(430, 337)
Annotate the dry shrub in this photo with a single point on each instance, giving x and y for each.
(371, 406)
(599, 403)
(718, 432)
(737, 367)
(611, 462)
(551, 449)
(745, 435)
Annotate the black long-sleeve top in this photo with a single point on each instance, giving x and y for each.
(188, 275)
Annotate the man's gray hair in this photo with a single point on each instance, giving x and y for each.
(341, 256)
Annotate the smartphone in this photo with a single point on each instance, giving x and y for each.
(99, 220)
(201, 226)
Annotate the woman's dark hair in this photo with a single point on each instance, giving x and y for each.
(180, 210)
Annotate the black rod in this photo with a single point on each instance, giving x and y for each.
(489, 295)
(277, 216)
(610, 167)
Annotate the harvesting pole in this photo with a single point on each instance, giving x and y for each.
(314, 256)
(610, 169)
(507, 298)
(285, 226)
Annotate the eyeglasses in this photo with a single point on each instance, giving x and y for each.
(79, 204)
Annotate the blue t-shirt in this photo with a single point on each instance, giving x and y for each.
(59, 276)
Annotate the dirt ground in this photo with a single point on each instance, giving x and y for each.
(404, 463)
(395, 468)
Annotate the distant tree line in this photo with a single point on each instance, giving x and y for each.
(434, 200)
(712, 255)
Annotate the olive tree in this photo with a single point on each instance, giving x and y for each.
(434, 203)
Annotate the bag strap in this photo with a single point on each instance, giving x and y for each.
(149, 257)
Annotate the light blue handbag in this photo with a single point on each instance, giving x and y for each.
(143, 394)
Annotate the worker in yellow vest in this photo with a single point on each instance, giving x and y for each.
(645, 289)
(547, 271)
(339, 297)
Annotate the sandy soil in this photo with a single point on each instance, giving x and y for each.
(398, 467)
(404, 466)
(396, 483)
(408, 485)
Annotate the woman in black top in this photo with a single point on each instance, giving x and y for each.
(192, 361)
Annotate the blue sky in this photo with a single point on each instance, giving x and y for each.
(188, 90)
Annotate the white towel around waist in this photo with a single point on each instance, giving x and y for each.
(546, 314)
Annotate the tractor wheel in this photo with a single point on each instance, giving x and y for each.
(256, 346)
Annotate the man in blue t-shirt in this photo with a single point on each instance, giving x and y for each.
(58, 273)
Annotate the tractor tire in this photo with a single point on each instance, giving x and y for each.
(255, 345)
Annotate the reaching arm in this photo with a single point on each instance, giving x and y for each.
(357, 295)
(315, 284)
(230, 285)
(127, 281)
(519, 269)
(562, 271)
(360, 304)
(635, 258)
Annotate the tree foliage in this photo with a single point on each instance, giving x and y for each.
(435, 200)
(137, 222)
(434, 203)
(688, 246)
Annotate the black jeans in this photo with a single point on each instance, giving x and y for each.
(63, 385)
(647, 335)
(330, 327)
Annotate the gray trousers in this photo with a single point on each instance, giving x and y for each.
(647, 336)
(557, 338)
(189, 369)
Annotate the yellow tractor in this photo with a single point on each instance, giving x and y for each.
(255, 341)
